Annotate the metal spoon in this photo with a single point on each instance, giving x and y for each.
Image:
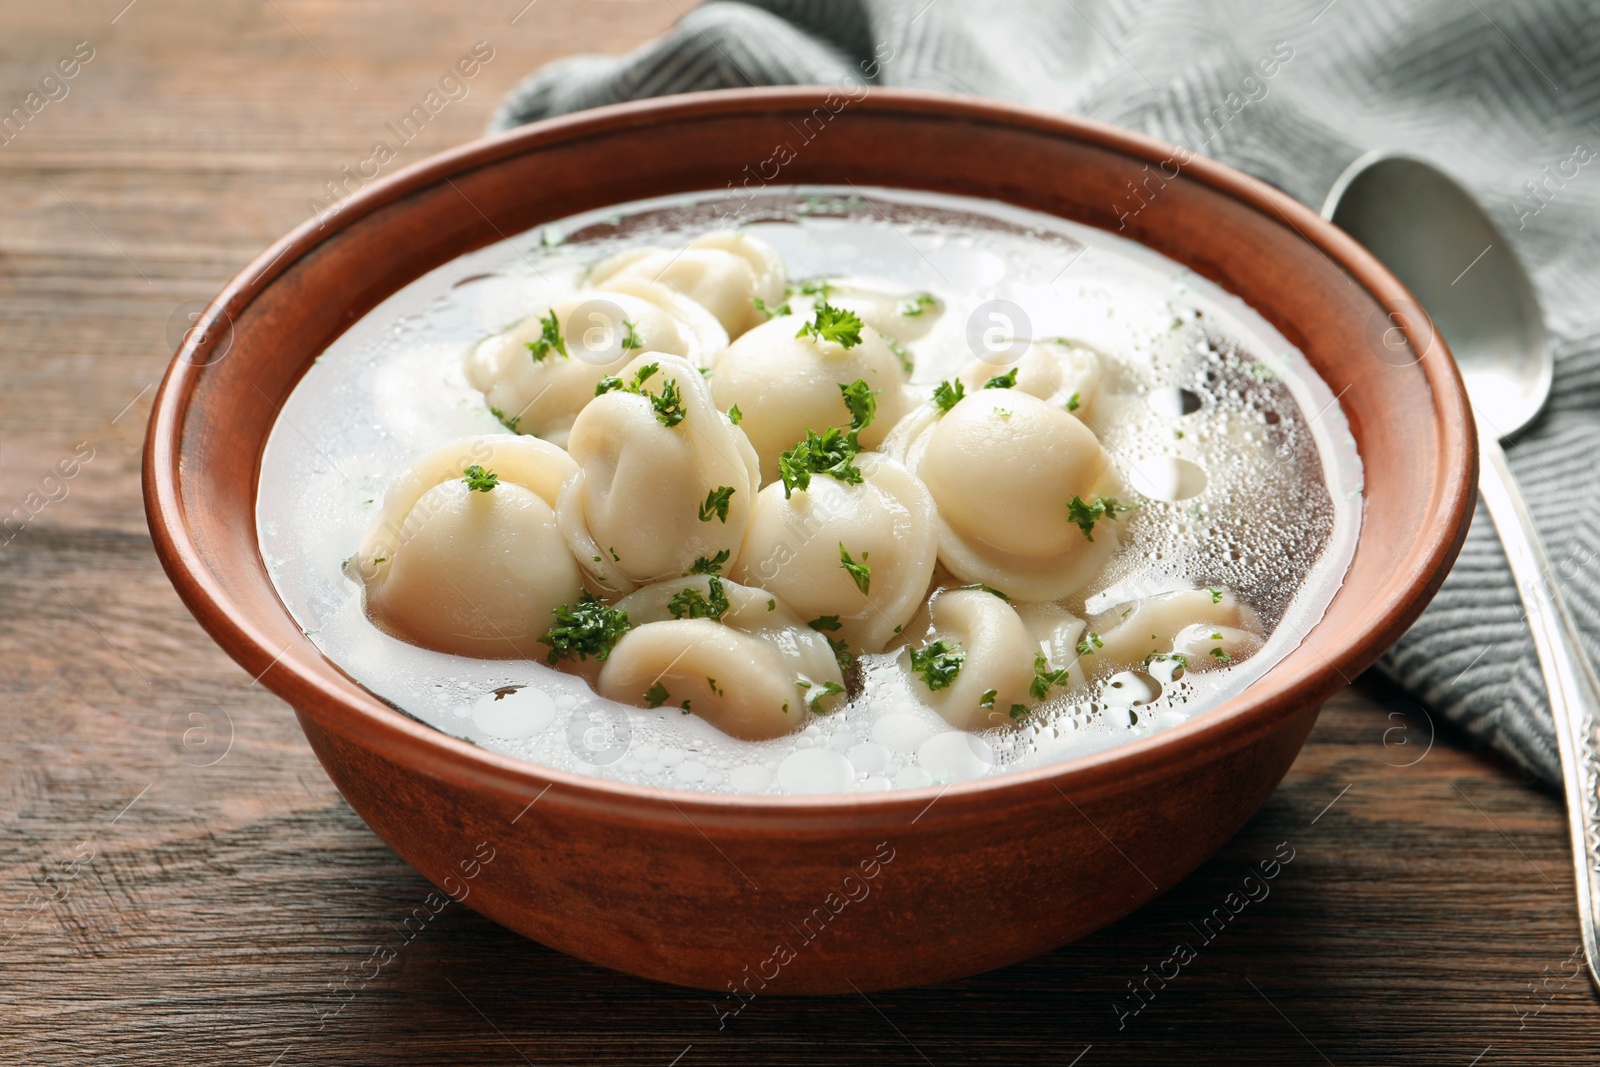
(1436, 239)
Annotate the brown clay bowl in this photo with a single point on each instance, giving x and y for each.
(808, 895)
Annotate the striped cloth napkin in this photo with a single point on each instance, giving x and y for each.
(1503, 94)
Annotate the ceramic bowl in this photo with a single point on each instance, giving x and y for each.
(774, 894)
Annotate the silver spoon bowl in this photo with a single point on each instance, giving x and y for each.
(1475, 294)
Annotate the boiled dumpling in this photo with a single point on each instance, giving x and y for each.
(466, 556)
(863, 552)
(900, 315)
(1058, 371)
(725, 272)
(1189, 622)
(1025, 493)
(984, 664)
(663, 477)
(733, 655)
(785, 381)
(539, 374)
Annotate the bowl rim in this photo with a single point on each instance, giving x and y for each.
(366, 721)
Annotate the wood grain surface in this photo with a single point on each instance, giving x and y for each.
(179, 882)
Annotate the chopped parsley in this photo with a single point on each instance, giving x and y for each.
(587, 628)
(717, 504)
(988, 698)
(947, 395)
(938, 663)
(550, 338)
(859, 573)
(770, 312)
(669, 405)
(702, 565)
(630, 336)
(1073, 402)
(686, 709)
(611, 382)
(508, 421)
(987, 588)
(656, 695)
(1086, 515)
(691, 603)
(1019, 712)
(772, 605)
(735, 416)
(479, 480)
(916, 305)
(832, 452)
(1216, 595)
(862, 402)
(827, 624)
(901, 354)
(1008, 380)
(817, 287)
(1220, 654)
(833, 324)
(1176, 657)
(1045, 679)
(1090, 642)
(818, 694)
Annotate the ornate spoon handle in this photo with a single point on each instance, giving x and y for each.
(1574, 692)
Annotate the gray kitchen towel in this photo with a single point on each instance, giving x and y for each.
(1504, 94)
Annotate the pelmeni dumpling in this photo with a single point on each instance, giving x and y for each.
(984, 664)
(1025, 493)
(1058, 371)
(663, 477)
(725, 272)
(579, 340)
(733, 655)
(900, 315)
(785, 382)
(466, 556)
(1189, 622)
(862, 552)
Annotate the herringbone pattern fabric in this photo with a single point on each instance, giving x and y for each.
(1500, 93)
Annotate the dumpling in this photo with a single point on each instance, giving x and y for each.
(663, 478)
(725, 272)
(539, 374)
(733, 655)
(1058, 371)
(984, 664)
(1025, 493)
(465, 555)
(1189, 622)
(863, 552)
(901, 316)
(785, 381)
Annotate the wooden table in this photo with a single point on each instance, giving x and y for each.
(162, 905)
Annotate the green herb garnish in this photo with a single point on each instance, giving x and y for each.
(917, 305)
(508, 421)
(479, 480)
(1008, 380)
(669, 405)
(587, 628)
(947, 395)
(1044, 679)
(987, 588)
(832, 453)
(1216, 595)
(902, 355)
(691, 603)
(770, 312)
(987, 700)
(630, 336)
(656, 696)
(1086, 515)
(702, 565)
(1072, 402)
(1090, 642)
(859, 573)
(862, 402)
(717, 504)
(838, 325)
(735, 416)
(938, 663)
(549, 337)
(1220, 654)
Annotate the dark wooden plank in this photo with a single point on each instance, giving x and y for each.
(157, 907)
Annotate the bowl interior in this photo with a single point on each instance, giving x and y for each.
(219, 401)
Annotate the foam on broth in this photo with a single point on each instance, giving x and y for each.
(1248, 473)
